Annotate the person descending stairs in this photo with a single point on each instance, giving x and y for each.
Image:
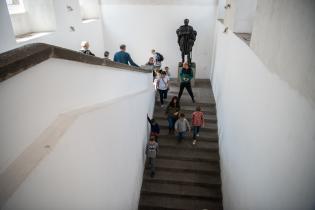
(187, 175)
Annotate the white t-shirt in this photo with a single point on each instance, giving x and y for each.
(162, 83)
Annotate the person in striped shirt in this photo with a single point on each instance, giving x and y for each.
(197, 121)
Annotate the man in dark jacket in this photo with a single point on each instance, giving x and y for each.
(123, 57)
(186, 75)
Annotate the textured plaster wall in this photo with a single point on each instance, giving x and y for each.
(240, 17)
(62, 35)
(266, 131)
(143, 27)
(284, 39)
(98, 161)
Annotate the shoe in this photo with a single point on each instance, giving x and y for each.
(162, 105)
(152, 174)
(197, 134)
(193, 101)
(194, 141)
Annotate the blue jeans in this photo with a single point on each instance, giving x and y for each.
(195, 131)
(180, 135)
(171, 121)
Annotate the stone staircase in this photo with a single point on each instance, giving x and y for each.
(187, 176)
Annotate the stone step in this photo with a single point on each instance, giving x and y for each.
(183, 178)
(203, 136)
(158, 109)
(187, 154)
(181, 191)
(187, 166)
(157, 202)
(187, 109)
(208, 118)
(171, 142)
(187, 100)
(208, 126)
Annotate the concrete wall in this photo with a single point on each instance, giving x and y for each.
(221, 5)
(266, 131)
(90, 9)
(62, 36)
(143, 27)
(93, 164)
(284, 39)
(240, 17)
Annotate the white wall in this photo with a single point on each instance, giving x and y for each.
(143, 27)
(62, 36)
(240, 17)
(90, 9)
(94, 164)
(284, 39)
(266, 130)
(221, 13)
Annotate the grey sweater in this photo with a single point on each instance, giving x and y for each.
(152, 149)
(182, 125)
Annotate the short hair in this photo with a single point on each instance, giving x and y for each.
(123, 46)
(84, 44)
(106, 53)
(166, 67)
(153, 50)
(198, 108)
(182, 114)
(163, 72)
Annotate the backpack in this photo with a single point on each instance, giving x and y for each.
(159, 57)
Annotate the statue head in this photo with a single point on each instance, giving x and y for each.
(186, 21)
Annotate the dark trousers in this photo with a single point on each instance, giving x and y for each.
(195, 131)
(163, 95)
(186, 85)
(152, 166)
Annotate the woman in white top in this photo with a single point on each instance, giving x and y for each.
(162, 86)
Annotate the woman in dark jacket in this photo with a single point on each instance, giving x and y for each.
(172, 111)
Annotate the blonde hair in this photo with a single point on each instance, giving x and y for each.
(85, 44)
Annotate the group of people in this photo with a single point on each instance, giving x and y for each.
(177, 123)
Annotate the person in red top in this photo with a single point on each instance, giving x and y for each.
(197, 121)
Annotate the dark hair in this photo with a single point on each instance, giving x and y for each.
(163, 72)
(198, 108)
(106, 54)
(172, 102)
(153, 120)
(182, 114)
(122, 47)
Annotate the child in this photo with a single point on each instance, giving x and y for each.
(181, 127)
(168, 75)
(151, 151)
(197, 121)
(155, 128)
(162, 86)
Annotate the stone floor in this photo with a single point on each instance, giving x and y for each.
(187, 176)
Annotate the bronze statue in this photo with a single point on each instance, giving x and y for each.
(186, 38)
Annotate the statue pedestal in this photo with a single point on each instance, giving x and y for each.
(193, 67)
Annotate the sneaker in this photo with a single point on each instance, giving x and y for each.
(194, 141)
(197, 134)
